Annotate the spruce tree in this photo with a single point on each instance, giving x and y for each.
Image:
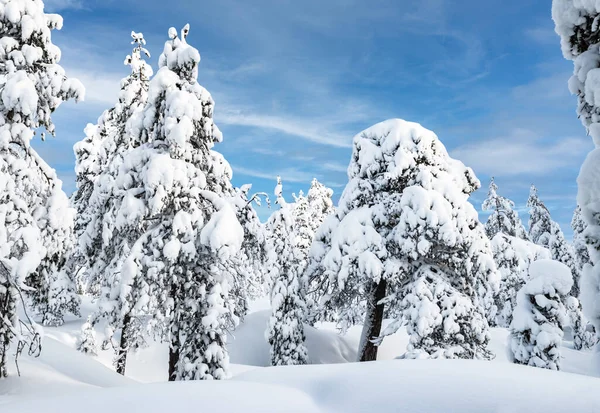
(404, 207)
(35, 221)
(98, 158)
(540, 315)
(503, 218)
(513, 257)
(287, 261)
(578, 226)
(547, 233)
(172, 228)
(576, 22)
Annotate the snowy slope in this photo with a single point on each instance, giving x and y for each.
(400, 385)
(63, 380)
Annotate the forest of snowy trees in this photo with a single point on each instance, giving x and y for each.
(170, 251)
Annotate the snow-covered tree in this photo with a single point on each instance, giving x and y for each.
(577, 24)
(286, 261)
(86, 342)
(582, 337)
(547, 233)
(503, 217)
(540, 222)
(441, 321)
(406, 206)
(170, 229)
(35, 222)
(98, 157)
(513, 257)
(578, 226)
(540, 315)
(248, 266)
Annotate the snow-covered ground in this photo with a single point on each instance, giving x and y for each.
(64, 380)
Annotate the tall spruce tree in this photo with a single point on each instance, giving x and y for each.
(576, 22)
(287, 260)
(503, 217)
(404, 208)
(35, 221)
(171, 228)
(97, 159)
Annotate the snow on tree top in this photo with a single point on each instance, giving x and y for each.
(396, 146)
(575, 20)
(549, 277)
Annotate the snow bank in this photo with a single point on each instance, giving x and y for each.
(426, 386)
(248, 346)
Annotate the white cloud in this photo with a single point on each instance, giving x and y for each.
(57, 5)
(287, 174)
(302, 128)
(334, 167)
(100, 88)
(522, 152)
(543, 35)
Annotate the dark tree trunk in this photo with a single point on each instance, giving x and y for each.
(174, 341)
(121, 360)
(173, 359)
(373, 320)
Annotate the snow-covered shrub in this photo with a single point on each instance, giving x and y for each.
(503, 218)
(35, 221)
(540, 315)
(513, 258)
(86, 342)
(405, 206)
(286, 261)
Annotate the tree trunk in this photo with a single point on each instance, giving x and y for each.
(174, 344)
(173, 359)
(373, 320)
(121, 359)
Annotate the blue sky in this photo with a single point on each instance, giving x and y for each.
(294, 81)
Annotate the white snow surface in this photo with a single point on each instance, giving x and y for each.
(64, 380)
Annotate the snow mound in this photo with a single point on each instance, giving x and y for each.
(435, 386)
(248, 346)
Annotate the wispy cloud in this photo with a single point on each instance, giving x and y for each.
(521, 152)
(302, 128)
(543, 35)
(286, 174)
(58, 5)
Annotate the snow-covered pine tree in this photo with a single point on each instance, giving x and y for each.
(405, 207)
(547, 233)
(540, 315)
(171, 229)
(576, 22)
(583, 338)
(578, 226)
(503, 217)
(98, 157)
(513, 257)
(286, 261)
(248, 266)
(320, 205)
(34, 214)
